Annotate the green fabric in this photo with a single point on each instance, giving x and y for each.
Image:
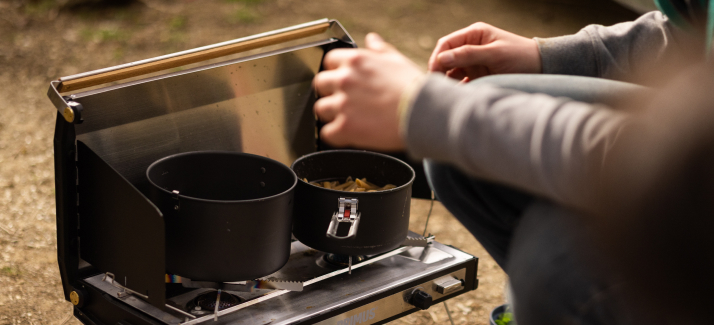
(668, 9)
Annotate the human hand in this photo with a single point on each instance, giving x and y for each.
(361, 90)
(480, 50)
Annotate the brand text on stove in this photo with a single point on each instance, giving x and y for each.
(358, 318)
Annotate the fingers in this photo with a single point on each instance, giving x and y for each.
(472, 35)
(360, 92)
(375, 42)
(328, 84)
(341, 133)
(333, 132)
(458, 74)
(339, 57)
(330, 81)
(448, 42)
(339, 63)
(327, 108)
(469, 73)
(466, 56)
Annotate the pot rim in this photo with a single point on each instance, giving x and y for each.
(398, 188)
(292, 187)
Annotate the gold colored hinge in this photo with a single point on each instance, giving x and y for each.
(74, 298)
(68, 114)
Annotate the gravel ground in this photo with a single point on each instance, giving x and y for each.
(44, 39)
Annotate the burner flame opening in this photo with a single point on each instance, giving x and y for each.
(343, 260)
(207, 301)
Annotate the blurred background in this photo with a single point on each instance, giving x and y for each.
(41, 40)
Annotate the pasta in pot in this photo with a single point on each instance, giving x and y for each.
(351, 185)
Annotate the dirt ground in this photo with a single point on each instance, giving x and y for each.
(44, 39)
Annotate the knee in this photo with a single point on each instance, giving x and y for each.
(554, 279)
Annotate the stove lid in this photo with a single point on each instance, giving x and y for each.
(252, 94)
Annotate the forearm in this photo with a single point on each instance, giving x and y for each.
(615, 52)
(545, 145)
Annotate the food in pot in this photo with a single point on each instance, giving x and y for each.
(350, 185)
(384, 215)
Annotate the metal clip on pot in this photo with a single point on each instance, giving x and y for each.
(347, 212)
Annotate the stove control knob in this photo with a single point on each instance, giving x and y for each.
(420, 299)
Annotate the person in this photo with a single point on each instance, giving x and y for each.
(653, 217)
(514, 132)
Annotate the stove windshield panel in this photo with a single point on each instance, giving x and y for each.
(256, 105)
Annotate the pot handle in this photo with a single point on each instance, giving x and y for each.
(347, 212)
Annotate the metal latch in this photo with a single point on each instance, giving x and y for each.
(125, 292)
(448, 284)
(346, 212)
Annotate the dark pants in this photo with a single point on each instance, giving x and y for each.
(555, 273)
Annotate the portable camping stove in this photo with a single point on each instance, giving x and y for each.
(257, 99)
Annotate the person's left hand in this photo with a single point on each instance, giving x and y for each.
(361, 90)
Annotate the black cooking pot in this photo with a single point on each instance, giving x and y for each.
(352, 223)
(227, 214)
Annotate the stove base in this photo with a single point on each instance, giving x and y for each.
(379, 290)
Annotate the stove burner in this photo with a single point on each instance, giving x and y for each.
(207, 301)
(343, 260)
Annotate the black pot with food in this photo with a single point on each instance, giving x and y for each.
(369, 221)
(227, 214)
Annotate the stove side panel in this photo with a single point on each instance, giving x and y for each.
(120, 231)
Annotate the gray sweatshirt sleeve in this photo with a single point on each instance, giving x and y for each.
(542, 144)
(614, 52)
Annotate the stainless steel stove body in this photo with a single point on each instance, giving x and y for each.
(379, 290)
(250, 95)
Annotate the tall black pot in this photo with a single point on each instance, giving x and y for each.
(383, 216)
(231, 218)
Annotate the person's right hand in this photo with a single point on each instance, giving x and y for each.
(480, 50)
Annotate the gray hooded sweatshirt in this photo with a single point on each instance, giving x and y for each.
(541, 144)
